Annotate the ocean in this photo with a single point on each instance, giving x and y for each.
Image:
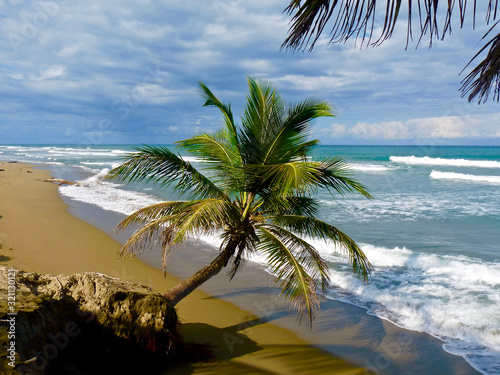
(432, 232)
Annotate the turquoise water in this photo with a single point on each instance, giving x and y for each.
(432, 232)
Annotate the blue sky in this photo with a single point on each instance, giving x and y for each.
(112, 71)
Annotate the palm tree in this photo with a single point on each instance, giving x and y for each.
(355, 19)
(255, 192)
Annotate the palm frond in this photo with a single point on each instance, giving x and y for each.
(315, 228)
(222, 158)
(273, 204)
(204, 217)
(212, 101)
(146, 237)
(161, 166)
(292, 260)
(292, 178)
(289, 139)
(356, 19)
(213, 147)
(486, 75)
(153, 212)
(350, 18)
(308, 255)
(334, 173)
(263, 114)
(302, 177)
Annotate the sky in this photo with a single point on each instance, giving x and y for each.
(127, 72)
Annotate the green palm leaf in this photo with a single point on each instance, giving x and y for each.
(288, 259)
(315, 228)
(334, 173)
(204, 217)
(153, 212)
(289, 139)
(272, 204)
(161, 166)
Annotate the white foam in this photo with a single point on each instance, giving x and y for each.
(410, 207)
(464, 177)
(76, 152)
(107, 195)
(425, 160)
(369, 167)
(437, 294)
(192, 159)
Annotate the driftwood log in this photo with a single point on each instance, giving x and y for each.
(61, 182)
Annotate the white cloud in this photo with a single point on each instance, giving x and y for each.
(449, 127)
(47, 73)
(338, 130)
(310, 83)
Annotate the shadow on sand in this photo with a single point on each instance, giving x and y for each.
(238, 354)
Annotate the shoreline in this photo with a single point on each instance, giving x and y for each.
(341, 329)
(38, 234)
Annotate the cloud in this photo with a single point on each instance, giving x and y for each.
(73, 63)
(450, 127)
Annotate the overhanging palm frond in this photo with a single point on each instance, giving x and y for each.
(351, 18)
(315, 228)
(356, 19)
(161, 166)
(486, 75)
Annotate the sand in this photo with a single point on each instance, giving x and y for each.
(38, 234)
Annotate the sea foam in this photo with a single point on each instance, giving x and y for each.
(425, 160)
(464, 177)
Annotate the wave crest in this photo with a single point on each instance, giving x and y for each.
(425, 160)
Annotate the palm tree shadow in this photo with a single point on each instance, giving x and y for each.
(225, 343)
(230, 346)
(3, 258)
(242, 292)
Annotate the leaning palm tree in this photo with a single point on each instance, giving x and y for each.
(356, 19)
(255, 191)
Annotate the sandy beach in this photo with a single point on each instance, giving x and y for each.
(39, 232)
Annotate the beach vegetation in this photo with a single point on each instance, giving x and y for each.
(255, 188)
(373, 22)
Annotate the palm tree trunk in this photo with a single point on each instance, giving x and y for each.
(181, 290)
